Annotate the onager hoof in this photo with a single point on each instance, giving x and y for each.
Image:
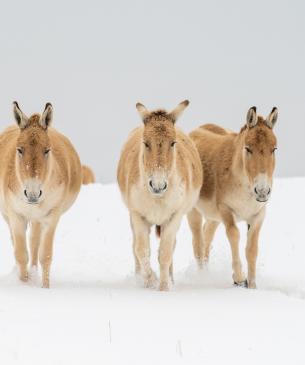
(46, 284)
(242, 284)
(239, 278)
(251, 284)
(164, 286)
(151, 280)
(24, 277)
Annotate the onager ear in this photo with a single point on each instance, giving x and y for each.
(142, 110)
(21, 119)
(252, 117)
(176, 113)
(272, 118)
(47, 116)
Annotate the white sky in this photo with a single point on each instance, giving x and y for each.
(95, 59)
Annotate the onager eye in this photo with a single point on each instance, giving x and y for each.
(173, 143)
(146, 145)
(248, 150)
(274, 149)
(46, 152)
(20, 151)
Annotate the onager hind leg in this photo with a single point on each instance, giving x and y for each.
(34, 242)
(167, 247)
(18, 231)
(46, 251)
(233, 236)
(195, 222)
(141, 230)
(209, 230)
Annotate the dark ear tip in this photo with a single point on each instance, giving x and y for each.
(253, 108)
(186, 102)
(274, 109)
(48, 105)
(15, 104)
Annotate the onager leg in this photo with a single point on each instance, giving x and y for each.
(18, 231)
(137, 262)
(195, 222)
(171, 268)
(34, 242)
(167, 246)
(233, 236)
(209, 230)
(141, 230)
(46, 251)
(252, 248)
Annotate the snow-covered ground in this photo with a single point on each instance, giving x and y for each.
(96, 313)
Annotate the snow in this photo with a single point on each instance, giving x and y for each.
(96, 312)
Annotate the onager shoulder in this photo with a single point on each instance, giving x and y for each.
(188, 161)
(128, 167)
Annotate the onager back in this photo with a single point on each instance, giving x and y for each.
(238, 172)
(160, 177)
(40, 177)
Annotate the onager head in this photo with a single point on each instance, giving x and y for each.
(259, 145)
(33, 152)
(158, 149)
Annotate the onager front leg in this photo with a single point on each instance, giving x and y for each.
(18, 231)
(137, 262)
(141, 249)
(234, 237)
(46, 250)
(34, 242)
(252, 248)
(167, 247)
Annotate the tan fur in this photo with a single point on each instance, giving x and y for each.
(58, 173)
(179, 165)
(231, 175)
(88, 175)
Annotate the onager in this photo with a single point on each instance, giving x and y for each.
(40, 177)
(160, 177)
(238, 172)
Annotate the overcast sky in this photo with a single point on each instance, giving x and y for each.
(95, 59)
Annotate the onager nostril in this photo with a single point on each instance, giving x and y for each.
(40, 193)
(151, 184)
(269, 191)
(165, 186)
(24, 191)
(255, 190)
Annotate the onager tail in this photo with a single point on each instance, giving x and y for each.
(158, 231)
(88, 175)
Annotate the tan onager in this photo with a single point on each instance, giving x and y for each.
(238, 172)
(40, 177)
(160, 177)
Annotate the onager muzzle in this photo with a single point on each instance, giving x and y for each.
(32, 191)
(262, 188)
(158, 184)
